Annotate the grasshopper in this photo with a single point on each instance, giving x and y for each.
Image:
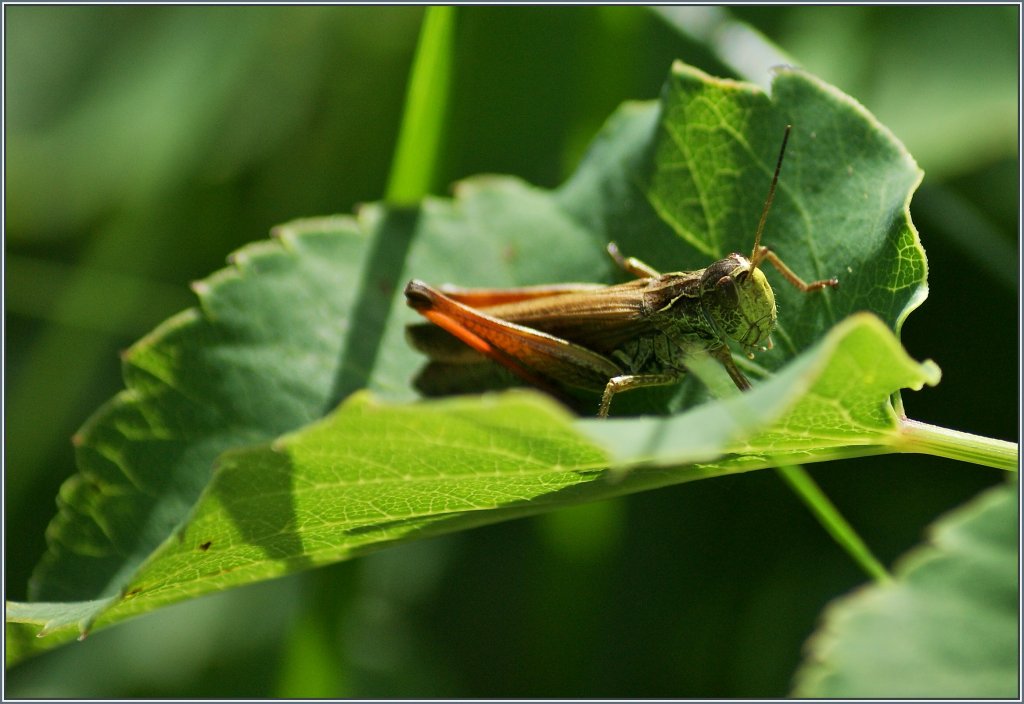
(610, 339)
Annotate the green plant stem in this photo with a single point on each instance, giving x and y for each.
(830, 518)
(915, 436)
(414, 167)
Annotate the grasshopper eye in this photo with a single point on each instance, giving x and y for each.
(729, 294)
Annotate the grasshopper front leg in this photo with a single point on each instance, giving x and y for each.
(626, 382)
(724, 356)
(763, 253)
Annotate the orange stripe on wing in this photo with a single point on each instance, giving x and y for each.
(484, 347)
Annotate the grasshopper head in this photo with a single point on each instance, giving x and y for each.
(739, 302)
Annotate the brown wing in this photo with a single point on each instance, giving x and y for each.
(594, 320)
(539, 358)
(442, 346)
(602, 319)
(487, 297)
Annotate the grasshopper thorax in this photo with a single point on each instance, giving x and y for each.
(738, 301)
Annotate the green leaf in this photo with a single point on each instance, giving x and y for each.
(946, 627)
(297, 325)
(370, 475)
(258, 358)
(827, 404)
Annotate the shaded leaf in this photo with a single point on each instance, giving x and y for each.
(257, 359)
(946, 627)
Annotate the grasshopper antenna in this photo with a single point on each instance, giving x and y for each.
(756, 256)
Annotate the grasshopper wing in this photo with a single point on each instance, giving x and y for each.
(537, 357)
(488, 297)
(600, 319)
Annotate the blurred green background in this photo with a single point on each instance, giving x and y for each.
(144, 144)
